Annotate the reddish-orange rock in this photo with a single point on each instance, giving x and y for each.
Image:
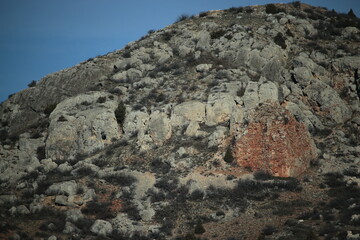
(274, 141)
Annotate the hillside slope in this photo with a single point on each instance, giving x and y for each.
(234, 124)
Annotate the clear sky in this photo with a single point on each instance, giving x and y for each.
(38, 37)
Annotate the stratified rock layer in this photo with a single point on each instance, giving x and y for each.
(275, 142)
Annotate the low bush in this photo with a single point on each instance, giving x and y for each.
(101, 100)
(182, 17)
(40, 153)
(32, 83)
(280, 40)
(126, 54)
(203, 14)
(100, 209)
(272, 9)
(62, 119)
(199, 228)
(217, 34)
(121, 179)
(85, 171)
(229, 158)
(151, 31)
(120, 113)
(296, 4)
(48, 110)
(159, 166)
(268, 230)
(236, 10)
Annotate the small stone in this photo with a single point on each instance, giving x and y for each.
(22, 210)
(102, 228)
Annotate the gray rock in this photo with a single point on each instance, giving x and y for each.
(159, 127)
(184, 51)
(219, 108)
(36, 206)
(89, 194)
(136, 122)
(68, 188)
(22, 210)
(251, 95)
(126, 226)
(192, 129)
(7, 199)
(65, 168)
(186, 112)
(268, 91)
(350, 32)
(48, 165)
(52, 237)
(329, 101)
(70, 228)
(73, 215)
(102, 228)
(63, 201)
(273, 69)
(304, 27)
(203, 40)
(256, 62)
(347, 63)
(81, 125)
(28, 146)
(237, 118)
(203, 67)
(217, 137)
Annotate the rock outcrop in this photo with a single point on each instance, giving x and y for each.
(82, 125)
(275, 142)
(222, 120)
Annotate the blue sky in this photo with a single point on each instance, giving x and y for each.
(38, 37)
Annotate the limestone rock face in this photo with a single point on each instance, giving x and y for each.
(219, 108)
(159, 127)
(275, 142)
(187, 112)
(81, 125)
(331, 105)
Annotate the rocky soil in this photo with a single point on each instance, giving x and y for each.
(234, 124)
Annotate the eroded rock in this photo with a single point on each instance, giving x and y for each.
(82, 125)
(275, 142)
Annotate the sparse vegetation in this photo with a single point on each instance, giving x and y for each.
(101, 100)
(228, 155)
(120, 113)
(48, 110)
(40, 153)
(32, 83)
(120, 179)
(3, 135)
(62, 119)
(217, 34)
(182, 17)
(279, 39)
(271, 8)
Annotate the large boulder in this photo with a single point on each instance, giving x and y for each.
(186, 112)
(101, 227)
(159, 127)
(274, 141)
(332, 107)
(219, 108)
(82, 125)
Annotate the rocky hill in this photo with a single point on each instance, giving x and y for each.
(234, 124)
